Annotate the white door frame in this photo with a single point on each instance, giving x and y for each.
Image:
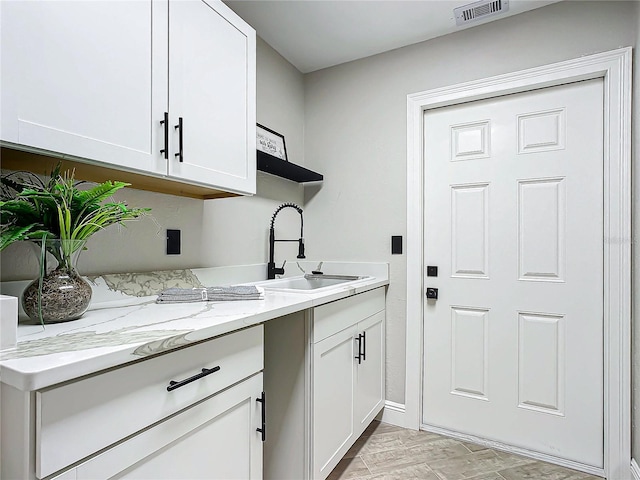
(614, 68)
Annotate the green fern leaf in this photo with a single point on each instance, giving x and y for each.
(13, 233)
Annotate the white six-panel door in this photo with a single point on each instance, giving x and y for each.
(514, 221)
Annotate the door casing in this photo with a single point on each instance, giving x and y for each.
(614, 67)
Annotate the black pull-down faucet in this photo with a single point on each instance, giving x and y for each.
(272, 271)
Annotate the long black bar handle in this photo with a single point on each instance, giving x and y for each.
(364, 345)
(180, 144)
(359, 340)
(165, 122)
(263, 430)
(205, 371)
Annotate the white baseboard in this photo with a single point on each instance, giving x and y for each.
(635, 470)
(517, 450)
(393, 413)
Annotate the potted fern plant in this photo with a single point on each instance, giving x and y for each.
(58, 217)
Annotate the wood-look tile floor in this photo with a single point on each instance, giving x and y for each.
(387, 452)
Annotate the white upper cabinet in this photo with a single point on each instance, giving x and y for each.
(91, 79)
(211, 87)
(77, 78)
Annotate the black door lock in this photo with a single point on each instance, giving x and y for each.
(432, 293)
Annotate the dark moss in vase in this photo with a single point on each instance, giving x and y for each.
(65, 296)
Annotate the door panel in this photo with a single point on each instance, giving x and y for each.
(469, 230)
(514, 219)
(469, 352)
(541, 362)
(541, 229)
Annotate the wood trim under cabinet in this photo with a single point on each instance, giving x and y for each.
(12, 159)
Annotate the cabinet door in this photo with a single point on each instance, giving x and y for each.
(215, 439)
(212, 89)
(77, 79)
(370, 386)
(333, 387)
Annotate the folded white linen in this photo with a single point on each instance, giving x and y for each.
(210, 294)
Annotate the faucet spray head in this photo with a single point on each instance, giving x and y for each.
(301, 248)
(285, 205)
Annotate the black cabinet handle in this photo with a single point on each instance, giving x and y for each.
(263, 430)
(165, 122)
(364, 346)
(360, 356)
(180, 145)
(205, 371)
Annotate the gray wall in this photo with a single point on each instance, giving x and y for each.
(140, 246)
(235, 230)
(214, 232)
(355, 129)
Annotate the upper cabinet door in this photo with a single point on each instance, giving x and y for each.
(212, 89)
(87, 79)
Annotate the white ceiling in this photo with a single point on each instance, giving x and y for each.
(315, 34)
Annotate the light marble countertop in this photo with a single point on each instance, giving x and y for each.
(123, 326)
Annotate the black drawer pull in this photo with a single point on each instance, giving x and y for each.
(180, 153)
(263, 430)
(364, 345)
(360, 356)
(165, 122)
(205, 371)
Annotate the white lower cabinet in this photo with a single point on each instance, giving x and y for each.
(189, 413)
(321, 397)
(215, 439)
(199, 412)
(348, 375)
(333, 399)
(369, 382)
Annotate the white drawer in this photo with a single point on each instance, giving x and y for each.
(78, 419)
(213, 439)
(336, 316)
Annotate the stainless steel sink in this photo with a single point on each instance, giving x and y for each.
(309, 282)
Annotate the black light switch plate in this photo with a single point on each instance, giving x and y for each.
(173, 242)
(396, 244)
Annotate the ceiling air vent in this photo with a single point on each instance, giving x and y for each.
(479, 10)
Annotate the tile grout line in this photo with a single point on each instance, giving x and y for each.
(365, 464)
(470, 451)
(436, 474)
